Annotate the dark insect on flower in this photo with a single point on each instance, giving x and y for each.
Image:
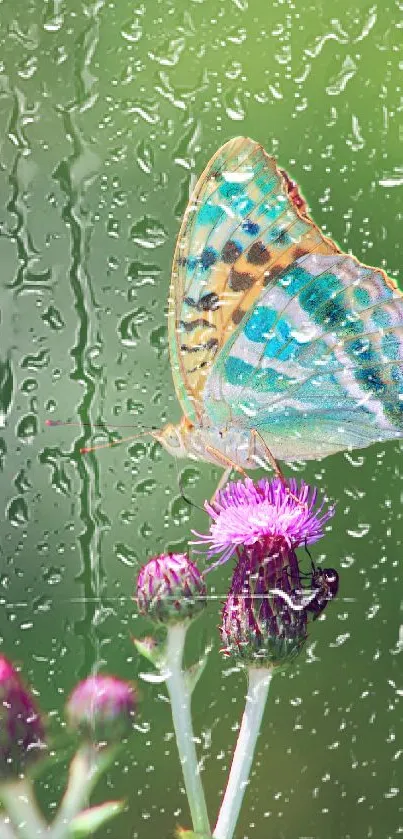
(325, 585)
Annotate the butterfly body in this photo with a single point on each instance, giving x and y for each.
(279, 342)
(214, 445)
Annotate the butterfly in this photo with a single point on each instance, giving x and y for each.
(282, 347)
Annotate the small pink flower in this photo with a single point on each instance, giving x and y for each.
(21, 727)
(101, 708)
(170, 588)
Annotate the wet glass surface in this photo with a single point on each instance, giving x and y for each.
(108, 111)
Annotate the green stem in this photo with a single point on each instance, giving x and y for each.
(85, 768)
(6, 831)
(20, 803)
(258, 686)
(180, 696)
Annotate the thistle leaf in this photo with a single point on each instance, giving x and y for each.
(90, 820)
(149, 649)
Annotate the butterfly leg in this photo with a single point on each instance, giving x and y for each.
(223, 480)
(229, 466)
(270, 457)
(276, 468)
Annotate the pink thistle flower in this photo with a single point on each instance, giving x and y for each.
(170, 589)
(101, 708)
(22, 733)
(245, 513)
(265, 614)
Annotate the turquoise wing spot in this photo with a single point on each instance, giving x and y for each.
(273, 210)
(282, 346)
(240, 373)
(319, 292)
(263, 327)
(391, 346)
(279, 237)
(208, 214)
(294, 279)
(380, 318)
(371, 380)
(265, 184)
(229, 190)
(242, 205)
(260, 323)
(360, 349)
(362, 297)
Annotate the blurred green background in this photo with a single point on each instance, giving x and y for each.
(108, 111)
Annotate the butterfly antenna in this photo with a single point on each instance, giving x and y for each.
(87, 449)
(53, 423)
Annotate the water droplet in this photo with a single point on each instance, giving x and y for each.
(339, 83)
(36, 362)
(53, 319)
(41, 604)
(148, 233)
(146, 487)
(17, 511)
(159, 339)
(27, 428)
(6, 389)
(145, 157)
(137, 452)
(169, 52)
(141, 274)
(189, 477)
(362, 530)
(21, 482)
(29, 385)
(180, 511)
(125, 554)
(134, 408)
(127, 328)
(52, 575)
(153, 678)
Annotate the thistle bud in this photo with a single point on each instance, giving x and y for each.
(264, 621)
(170, 589)
(21, 727)
(101, 708)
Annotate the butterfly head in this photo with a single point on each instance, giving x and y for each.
(174, 438)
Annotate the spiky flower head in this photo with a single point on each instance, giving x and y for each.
(170, 589)
(22, 736)
(264, 619)
(245, 513)
(102, 708)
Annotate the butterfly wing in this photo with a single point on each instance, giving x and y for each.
(245, 223)
(316, 366)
